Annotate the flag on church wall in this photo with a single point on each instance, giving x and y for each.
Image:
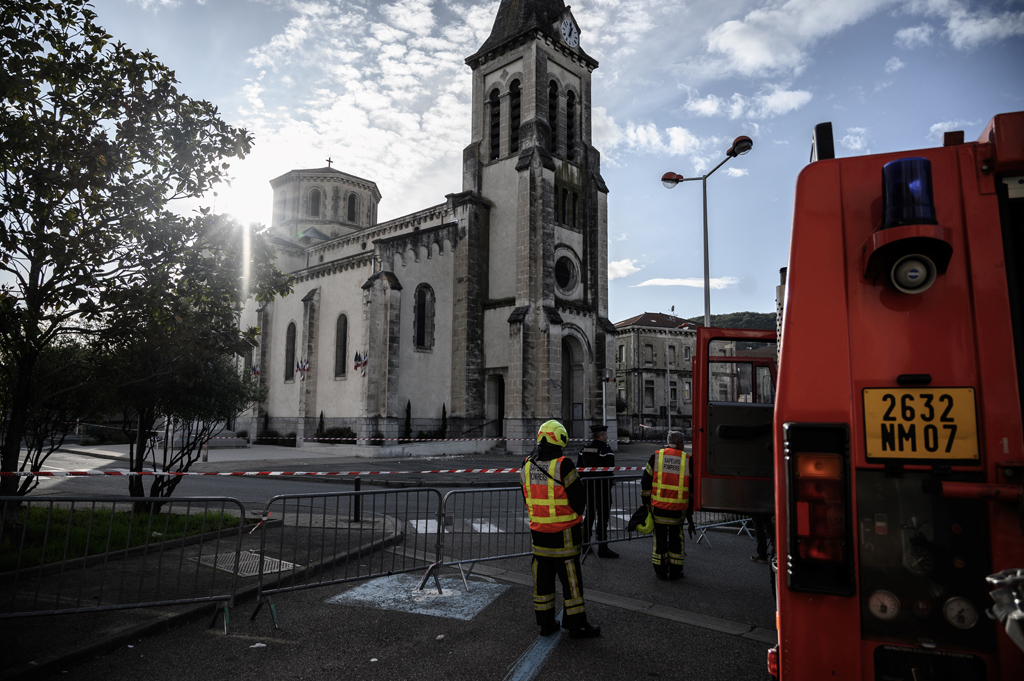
(360, 363)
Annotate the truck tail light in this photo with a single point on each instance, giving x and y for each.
(820, 513)
(820, 538)
(773, 662)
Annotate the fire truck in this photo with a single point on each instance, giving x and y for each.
(881, 426)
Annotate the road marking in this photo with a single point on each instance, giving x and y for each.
(530, 663)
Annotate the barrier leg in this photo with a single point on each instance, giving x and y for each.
(227, 616)
(432, 570)
(703, 537)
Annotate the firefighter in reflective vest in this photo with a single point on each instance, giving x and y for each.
(555, 499)
(665, 488)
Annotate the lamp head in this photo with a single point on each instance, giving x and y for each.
(740, 146)
(670, 180)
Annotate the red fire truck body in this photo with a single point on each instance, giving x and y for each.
(898, 445)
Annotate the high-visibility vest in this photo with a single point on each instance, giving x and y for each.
(546, 500)
(670, 489)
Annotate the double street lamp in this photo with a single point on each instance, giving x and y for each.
(740, 146)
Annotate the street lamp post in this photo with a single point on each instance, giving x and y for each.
(740, 146)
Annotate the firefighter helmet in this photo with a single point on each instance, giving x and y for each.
(641, 521)
(553, 433)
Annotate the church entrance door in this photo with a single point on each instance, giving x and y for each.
(573, 413)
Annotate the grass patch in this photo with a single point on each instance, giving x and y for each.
(51, 535)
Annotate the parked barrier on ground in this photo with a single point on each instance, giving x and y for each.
(73, 555)
(322, 539)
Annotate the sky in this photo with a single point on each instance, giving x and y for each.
(383, 90)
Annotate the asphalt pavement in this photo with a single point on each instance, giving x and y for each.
(716, 623)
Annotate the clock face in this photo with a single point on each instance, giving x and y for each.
(570, 34)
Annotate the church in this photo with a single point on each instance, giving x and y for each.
(477, 318)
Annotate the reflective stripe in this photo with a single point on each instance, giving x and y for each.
(670, 488)
(546, 501)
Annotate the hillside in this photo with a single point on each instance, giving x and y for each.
(741, 320)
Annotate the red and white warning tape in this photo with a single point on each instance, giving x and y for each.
(121, 472)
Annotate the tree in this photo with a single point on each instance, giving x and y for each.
(62, 401)
(172, 356)
(96, 143)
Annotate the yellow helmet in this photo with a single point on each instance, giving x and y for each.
(553, 433)
(641, 521)
(647, 526)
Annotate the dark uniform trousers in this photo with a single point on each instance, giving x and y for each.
(557, 554)
(599, 497)
(669, 542)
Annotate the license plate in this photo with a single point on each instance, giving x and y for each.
(920, 423)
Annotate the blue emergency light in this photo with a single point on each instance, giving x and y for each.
(907, 193)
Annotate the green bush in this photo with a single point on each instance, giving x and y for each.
(377, 439)
(244, 434)
(272, 437)
(342, 435)
(623, 433)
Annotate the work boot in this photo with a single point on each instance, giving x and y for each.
(605, 552)
(759, 559)
(587, 631)
(549, 628)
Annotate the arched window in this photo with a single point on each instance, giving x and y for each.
(495, 125)
(514, 115)
(553, 114)
(315, 200)
(570, 125)
(423, 318)
(340, 346)
(289, 353)
(351, 207)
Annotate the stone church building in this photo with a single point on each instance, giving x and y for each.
(491, 308)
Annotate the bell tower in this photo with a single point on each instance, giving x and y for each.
(532, 335)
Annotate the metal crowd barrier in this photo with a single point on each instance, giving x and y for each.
(313, 540)
(305, 541)
(131, 562)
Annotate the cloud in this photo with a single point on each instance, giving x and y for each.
(705, 106)
(777, 102)
(621, 236)
(894, 65)
(157, 4)
(776, 39)
(855, 139)
(622, 268)
(716, 283)
(736, 172)
(967, 31)
(936, 131)
(772, 101)
(914, 36)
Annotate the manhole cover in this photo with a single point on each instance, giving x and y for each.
(248, 563)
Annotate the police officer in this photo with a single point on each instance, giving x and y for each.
(598, 454)
(665, 488)
(555, 499)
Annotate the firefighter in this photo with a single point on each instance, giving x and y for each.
(598, 454)
(665, 488)
(555, 499)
